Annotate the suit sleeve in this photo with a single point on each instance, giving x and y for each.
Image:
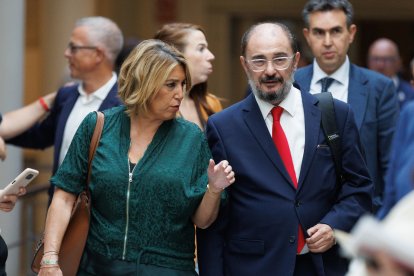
(401, 141)
(210, 241)
(354, 197)
(388, 112)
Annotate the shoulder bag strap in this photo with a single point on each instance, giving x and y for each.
(94, 142)
(330, 128)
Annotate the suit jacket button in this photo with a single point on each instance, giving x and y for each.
(292, 239)
(298, 203)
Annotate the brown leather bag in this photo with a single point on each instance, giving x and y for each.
(76, 233)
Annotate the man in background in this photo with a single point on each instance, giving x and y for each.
(93, 47)
(329, 31)
(384, 57)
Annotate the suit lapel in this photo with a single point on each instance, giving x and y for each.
(257, 126)
(111, 99)
(66, 110)
(312, 129)
(357, 93)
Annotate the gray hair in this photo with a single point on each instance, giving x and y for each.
(104, 33)
(328, 5)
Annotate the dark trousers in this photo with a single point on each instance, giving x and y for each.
(3, 257)
(95, 264)
(304, 266)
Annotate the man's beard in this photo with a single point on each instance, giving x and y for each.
(273, 97)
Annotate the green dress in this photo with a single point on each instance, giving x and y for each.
(145, 217)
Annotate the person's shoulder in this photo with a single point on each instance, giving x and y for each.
(114, 114)
(405, 85)
(304, 69)
(371, 75)
(185, 125)
(67, 90)
(214, 102)
(408, 109)
(232, 112)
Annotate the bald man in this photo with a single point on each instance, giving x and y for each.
(384, 57)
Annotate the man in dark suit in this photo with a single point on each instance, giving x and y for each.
(91, 53)
(329, 32)
(384, 57)
(285, 203)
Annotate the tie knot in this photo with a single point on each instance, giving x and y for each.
(326, 83)
(277, 112)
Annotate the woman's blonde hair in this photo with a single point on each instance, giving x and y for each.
(145, 71)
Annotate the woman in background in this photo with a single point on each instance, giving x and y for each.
(190, 39)
(148, 180)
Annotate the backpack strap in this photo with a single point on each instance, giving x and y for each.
(326, 106)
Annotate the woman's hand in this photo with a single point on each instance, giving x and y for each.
(7, 202)
(52, 270)
(220, 176)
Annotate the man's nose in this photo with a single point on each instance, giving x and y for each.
(327, 40)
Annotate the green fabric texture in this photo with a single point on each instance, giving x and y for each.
(167, 186)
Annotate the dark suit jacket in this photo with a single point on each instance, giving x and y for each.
(50, 131)
(373, 99)
(255, 233)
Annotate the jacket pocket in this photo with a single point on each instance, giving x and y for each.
(246, 246)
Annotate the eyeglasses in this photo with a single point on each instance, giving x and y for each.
(74, 48)
(386, 60)
(278, 63)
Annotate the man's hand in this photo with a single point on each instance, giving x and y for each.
(220, 176)
(321, 238)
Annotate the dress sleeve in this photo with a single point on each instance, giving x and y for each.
(72, 173)
(199, 175)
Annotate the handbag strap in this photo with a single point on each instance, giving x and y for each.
(94, 142)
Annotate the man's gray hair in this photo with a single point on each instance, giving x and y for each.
(103, 33)
(328, 5)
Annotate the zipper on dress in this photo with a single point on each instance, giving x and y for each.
(130, 173)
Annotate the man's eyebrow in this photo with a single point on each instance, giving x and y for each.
(326, 30)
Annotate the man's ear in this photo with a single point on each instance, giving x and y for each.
(352, 31)
(244, 64)
(306, 34)
(100, 55)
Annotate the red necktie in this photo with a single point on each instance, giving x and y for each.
(279, 138)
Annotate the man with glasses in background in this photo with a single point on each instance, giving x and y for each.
(329, 32)
(285, 203)
(384, 57)
(94, 45)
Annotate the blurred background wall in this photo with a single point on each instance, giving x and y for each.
(37, 32)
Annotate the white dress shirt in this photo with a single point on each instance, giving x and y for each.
(292, 121)
(85, 104)
(339, 88)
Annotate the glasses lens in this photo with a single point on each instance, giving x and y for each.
(281, 63)
(258, 64)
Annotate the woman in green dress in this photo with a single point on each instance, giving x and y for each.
(149, 176)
